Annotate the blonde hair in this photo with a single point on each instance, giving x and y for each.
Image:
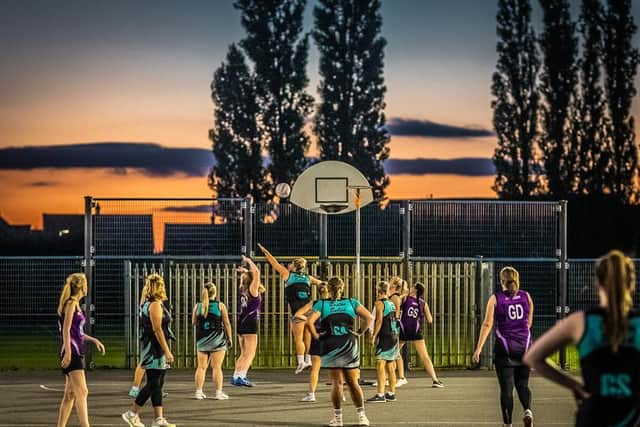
(208, 293)
(72, 285)
(299, 265)
(382, 287)
(616, 275)
(144, 293)
(401, 286)
(510, 278)
(155, 288)
(335, 286)
(323, 290)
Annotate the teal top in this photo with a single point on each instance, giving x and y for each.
(214, 308)
(298, 278)
(346, 306)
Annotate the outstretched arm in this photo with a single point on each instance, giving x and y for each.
(254, 287)
(274, 262)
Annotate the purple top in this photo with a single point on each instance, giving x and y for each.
(511, 320)
(76, 333)
(411, 315)
(249, 307)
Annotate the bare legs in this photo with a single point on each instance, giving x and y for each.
(75, 392)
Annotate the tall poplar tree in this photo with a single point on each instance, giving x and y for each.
(350, 123)
(558, 80)
(515, 104)
(275, 44)
(235, 138)
(621, 58)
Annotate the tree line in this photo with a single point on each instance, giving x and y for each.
(261, 102)
(562, 102)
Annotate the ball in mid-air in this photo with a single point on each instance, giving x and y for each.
(283, 190)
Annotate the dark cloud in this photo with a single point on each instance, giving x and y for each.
(153, 159)
(41, 184)
(462, 166)
(426, 128)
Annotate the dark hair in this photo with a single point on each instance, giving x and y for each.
(616, 275)
(419, 290)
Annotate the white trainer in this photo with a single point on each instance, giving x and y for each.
(133, 420)
(363, 420)
(200, 395)
(301, 367)
(162, 422)
(309, 398)
(528, 418)
(401, 382)
(221, 395)
(336, 422)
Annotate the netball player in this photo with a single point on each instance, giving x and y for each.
(298, 292)
(340, 352)
(213, 336)
(70, 324)
(398, 289)
(385, 339)
(316, 349)
(413, 311)
(511, 311)
(156, 355)
(608, 341)
(251, 291)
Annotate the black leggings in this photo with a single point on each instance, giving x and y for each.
(152, 388)
(508, 377)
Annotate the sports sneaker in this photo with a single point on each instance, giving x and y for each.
(363, 420)
(363, 382)
(386, 383)
(134, 392)
(376, 399)
(335, 422)
(436, 384)
(401, 382)
(243, 382)
(221, 396)
(390, 397)
(132, 420)
(200, 395)
(162, 422)
(301, 367)
(528, 418)
(309, 398)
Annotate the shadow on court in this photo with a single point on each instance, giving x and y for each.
(470, 398)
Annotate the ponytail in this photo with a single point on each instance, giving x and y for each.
(419, 290)
(616, 275)
(208, 292)
(72, 285)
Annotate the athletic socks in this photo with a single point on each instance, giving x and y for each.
(300, 358)
(359, 411)
(307, 359)
(338, 412)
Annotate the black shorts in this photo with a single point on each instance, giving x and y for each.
(316, 348)
(247, 327)
(77, 363)
(411, 337)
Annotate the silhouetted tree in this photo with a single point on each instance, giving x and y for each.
(350, 123)
(621, 60)
(558, 81)
(595, 149)
(515, 107)
(279, 52)
(235, 138)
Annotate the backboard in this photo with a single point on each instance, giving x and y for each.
(329, 187)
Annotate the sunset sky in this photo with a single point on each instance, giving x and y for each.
(76, 73)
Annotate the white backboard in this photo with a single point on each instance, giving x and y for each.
(328, 187)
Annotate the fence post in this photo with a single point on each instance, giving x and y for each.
(563, 272)
(405, 211)
(127, 313)
(248, 212)
(88, 264)
(486, 290)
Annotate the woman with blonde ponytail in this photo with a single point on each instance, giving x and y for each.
(70, 324)
(608, 341)
(213, 336)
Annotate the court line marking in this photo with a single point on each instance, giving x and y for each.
(44, 387)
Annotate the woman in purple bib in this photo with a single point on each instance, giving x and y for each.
(251, 291)
(71, 323)
(510, 310)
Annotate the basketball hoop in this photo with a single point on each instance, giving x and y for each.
(333, 208)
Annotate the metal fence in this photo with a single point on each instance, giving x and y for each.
(411, 238)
